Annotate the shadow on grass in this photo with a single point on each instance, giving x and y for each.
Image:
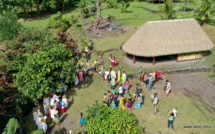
(204, 104)
(85, 84)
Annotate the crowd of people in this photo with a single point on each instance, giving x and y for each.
(55, 102)
(52, 104)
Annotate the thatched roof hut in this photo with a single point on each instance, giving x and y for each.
(160, 38)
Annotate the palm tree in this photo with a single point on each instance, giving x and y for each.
(205, 11)
(168, 11)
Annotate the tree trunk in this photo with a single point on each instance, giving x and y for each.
(99, 10)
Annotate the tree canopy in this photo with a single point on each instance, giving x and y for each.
(46, 68)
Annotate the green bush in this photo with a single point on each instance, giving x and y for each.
(112, 4)
(58, 20)
(124, 6)
(101, 119)
(33, 34)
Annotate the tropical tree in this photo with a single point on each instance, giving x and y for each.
(205, 11)
(105, 120)
(168, 11)
(36, 73)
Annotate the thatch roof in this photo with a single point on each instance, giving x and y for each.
(158, 38)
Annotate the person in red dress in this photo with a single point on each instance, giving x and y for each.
(157, 76)
(112, 59)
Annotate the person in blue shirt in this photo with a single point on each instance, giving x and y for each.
(151, 79)
(82, 120)
(113, 105)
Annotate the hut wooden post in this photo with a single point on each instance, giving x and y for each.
(133, 59)
(126, 54)
(153, 60)
(177, 57)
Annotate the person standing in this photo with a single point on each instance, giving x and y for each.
(121, 89)
(105, 98)
(86, 52)
(170, 119)
(115, 99)
(55, 105)
(96, 63)
(129, 104)
(113, 74)
(88, 65)
(62, 106)
(113, 105)
(119, 75)
(168, 88)
(140, 73)
(87, 76)
(110, 96)
(82, 120)
(157, 76)
(65, 101)
(137, 90)
(107, 75)
(123, 79)
(121, 102)
(112, 83)
(56, 117)
(138, 104)
(112, 59)
(145, 79)
(150, 84)
(45, 108)
(80, 76)
(127, 86)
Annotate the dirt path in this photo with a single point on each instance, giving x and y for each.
(197, 84)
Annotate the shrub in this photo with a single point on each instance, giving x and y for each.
(58, 20)
(112, 4)
(101, 119)
(33, 34)
(124, 6)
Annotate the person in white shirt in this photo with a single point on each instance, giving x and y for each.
(168, 88)
(107, 75)
(112, 83)
(65, 101)
(121, 89)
